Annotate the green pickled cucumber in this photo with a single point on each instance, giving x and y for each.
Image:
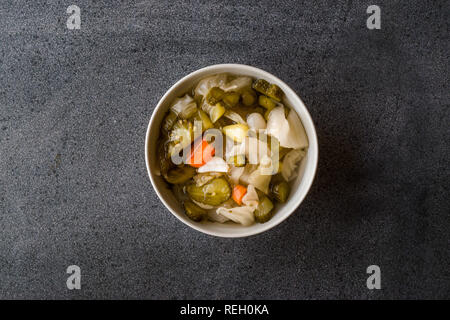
(214, 95)
(164, 162)
(213, 193)
(231, 99)
(268, 89)
(248, 98)
(280, 191)
(263, 212)
(266, 102)
(201, 115)
(180, 174)
(193, 211)
(169, 121)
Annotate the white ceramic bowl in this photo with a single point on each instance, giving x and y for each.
(300, 186)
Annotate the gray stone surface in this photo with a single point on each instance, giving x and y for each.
(74, 108)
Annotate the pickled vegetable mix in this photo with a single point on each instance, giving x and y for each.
(230, 149)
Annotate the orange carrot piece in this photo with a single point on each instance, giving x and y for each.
(239, 192)
(201, 153)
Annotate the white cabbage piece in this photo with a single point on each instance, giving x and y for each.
(296, 124)
(289, 132)
(290, 163)
(183, 106)
(216, 217)
(266, 166)
(238, 84)
(202, 205)
(236, 173)
(260, 179)
(251, 199)
(256, 121)
(216, 164)
(248, 169)
(218, 80)
(243, 215)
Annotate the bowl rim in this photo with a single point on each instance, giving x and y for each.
(312, 140)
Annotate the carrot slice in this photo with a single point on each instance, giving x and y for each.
(201, 153)
(239, 192)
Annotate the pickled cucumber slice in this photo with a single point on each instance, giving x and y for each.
(214, 95)
(169, 121)
(266, 102)
(268, 89)
(164, 163)
(201, 115)
(231, 99)
(280, 191)
(193, 211)
(179, 174)
(213, 193)
(248, 98)
(263, 212)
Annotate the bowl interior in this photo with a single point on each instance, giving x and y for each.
(300, 185)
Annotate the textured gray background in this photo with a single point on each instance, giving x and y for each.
(74, 108)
